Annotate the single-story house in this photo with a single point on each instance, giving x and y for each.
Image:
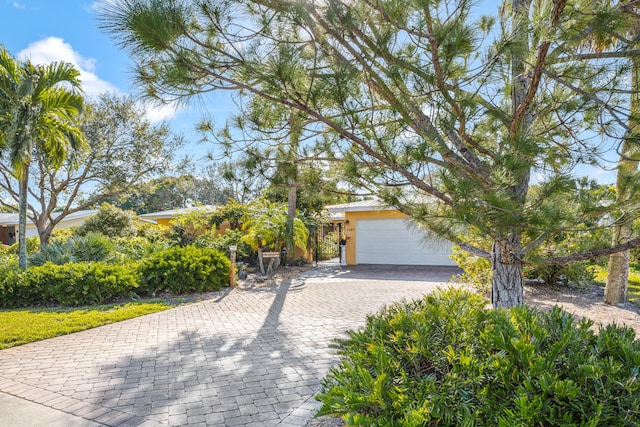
(377, 234)
(9, 224)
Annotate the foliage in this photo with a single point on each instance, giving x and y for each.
(633, 285)
(139, 247)
(165, 193)
(233, 213)
(33, 245)
(267, 225)
(222, 243)
(70, 284)
(448, 360)
(185, 227)
(25, 326)
(39, 105)
(110, 221)
(187, 269)
(477, 270)
(328, 246)
(90, 247)
(440, 108)
(125, 149)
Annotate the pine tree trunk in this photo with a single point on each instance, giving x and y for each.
(22, 218)
(615, 291)
(292, 201)
(507, 286)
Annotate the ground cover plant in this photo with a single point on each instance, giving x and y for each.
(19, 327)
(448, 360)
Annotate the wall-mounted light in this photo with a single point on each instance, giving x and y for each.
(346, 222)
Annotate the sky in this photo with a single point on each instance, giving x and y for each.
(53, 30)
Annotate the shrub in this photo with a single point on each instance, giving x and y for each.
(139, 247)
(222, 243)
(110, 221)
(70, 284)
(477, 270)
(185, 269)
(448, 360)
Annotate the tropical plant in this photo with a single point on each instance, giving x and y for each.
(268, 225)
(39, 105)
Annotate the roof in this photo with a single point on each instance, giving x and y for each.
(12, 218)
(172, 213)
(363, 205)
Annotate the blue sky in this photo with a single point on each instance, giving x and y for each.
(54, 30)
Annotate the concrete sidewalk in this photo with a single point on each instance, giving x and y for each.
(248, 357)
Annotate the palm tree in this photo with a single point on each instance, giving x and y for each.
(38, 106)
(267, 224)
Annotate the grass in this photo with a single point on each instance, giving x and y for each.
(19, 327)
(633, 285)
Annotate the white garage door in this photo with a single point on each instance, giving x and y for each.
(393, 241)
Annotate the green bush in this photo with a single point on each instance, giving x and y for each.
(70, 284)
(222, 243)
(477, 270)
(448, 360)
(110, 221)
(185, 269)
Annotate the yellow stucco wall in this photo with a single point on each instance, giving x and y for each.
(349, 229)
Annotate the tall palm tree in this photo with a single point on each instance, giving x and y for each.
(38, 107)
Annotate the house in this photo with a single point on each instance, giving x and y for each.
(9, 224)
(377, 234)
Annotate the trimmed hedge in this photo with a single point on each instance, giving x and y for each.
(70, 284)
(187, 269)
(448, 360)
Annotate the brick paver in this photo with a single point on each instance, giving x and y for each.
(250, 357)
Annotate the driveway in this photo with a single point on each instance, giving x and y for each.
(248, 357)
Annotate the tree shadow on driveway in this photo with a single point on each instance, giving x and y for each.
(239, 372)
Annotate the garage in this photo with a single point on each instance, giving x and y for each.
(394, 241)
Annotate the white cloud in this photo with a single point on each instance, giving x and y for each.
(159, 112)
(19, 5)
(54, 49)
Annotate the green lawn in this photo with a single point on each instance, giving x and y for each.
(19, 327)
(633, 291)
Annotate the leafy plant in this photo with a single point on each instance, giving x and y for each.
(70, 284)
(224, 241)
(185, 269)
(91, 247)
(448, 360)
(110, 221)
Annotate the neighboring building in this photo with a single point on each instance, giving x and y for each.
(376, 234)
(9, 224)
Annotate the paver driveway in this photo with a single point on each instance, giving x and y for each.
(249, 357)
